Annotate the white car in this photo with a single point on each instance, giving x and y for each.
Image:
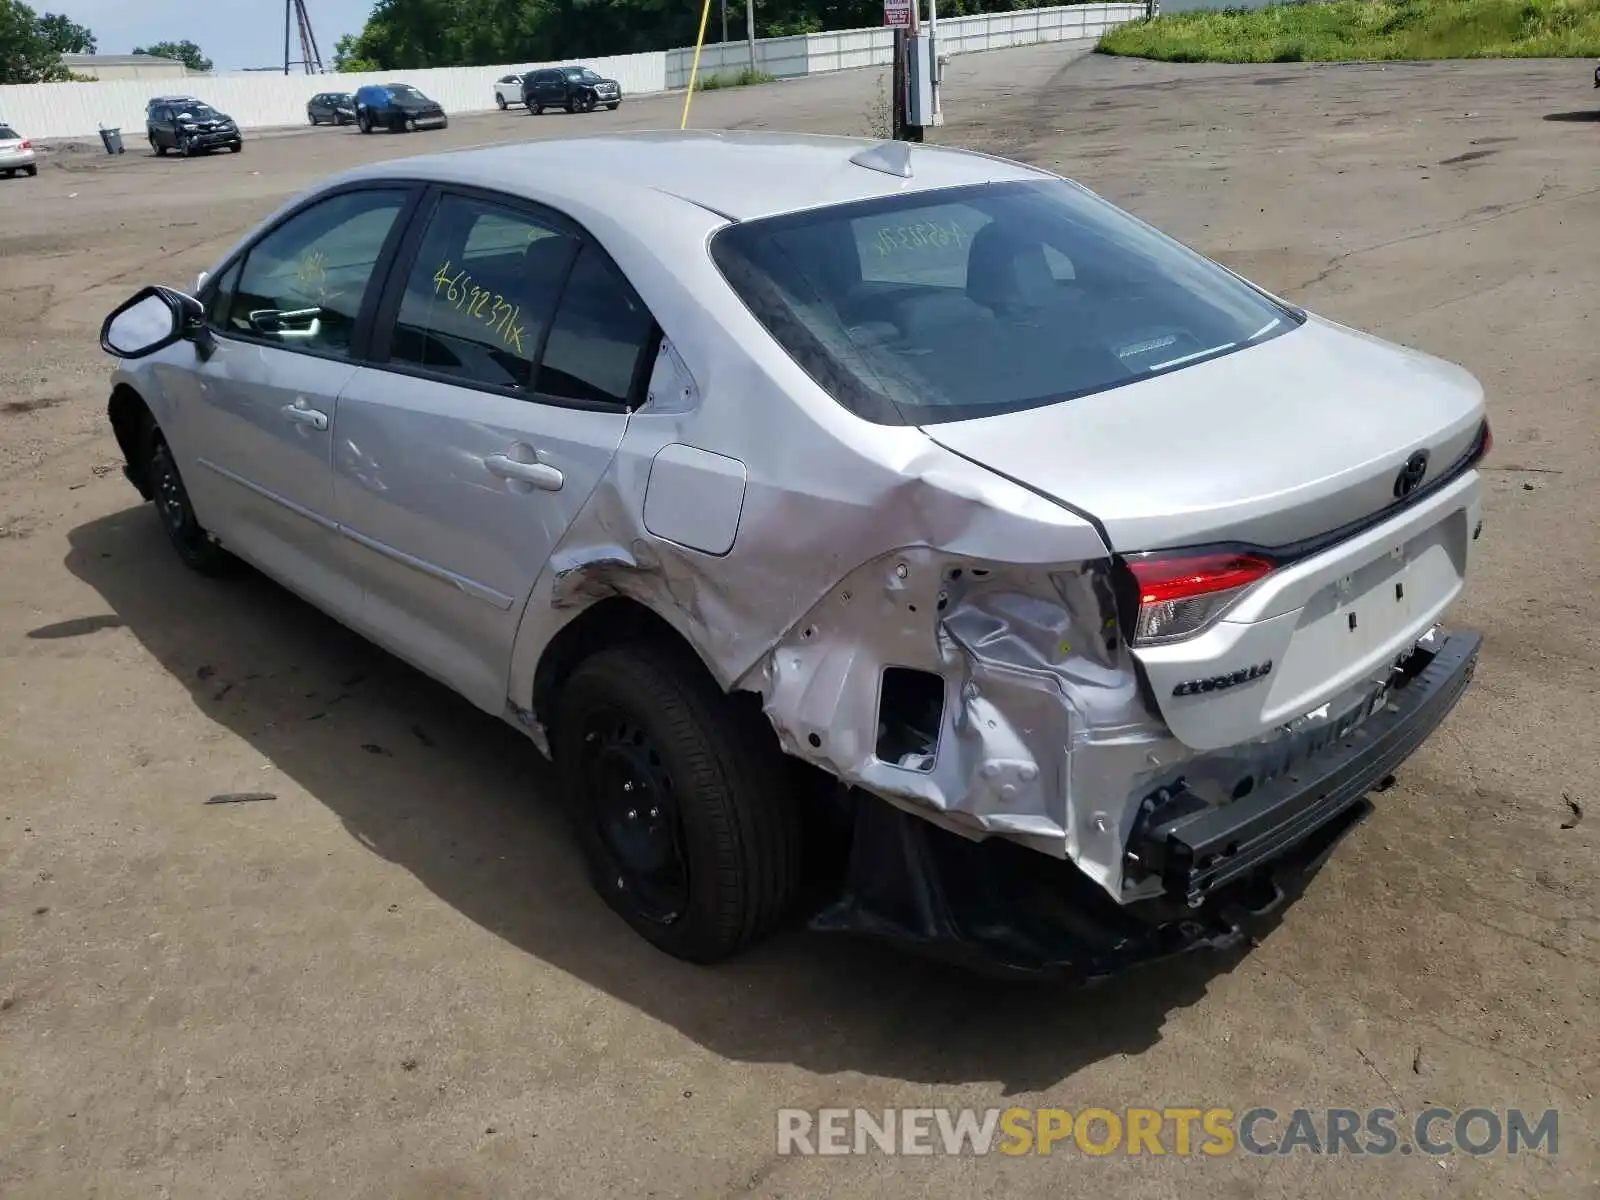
(508, 90)
(16, 153)
(1067, 590)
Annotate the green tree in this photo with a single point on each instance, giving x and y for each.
(26, 55)
(185, 52)
(65, 35)
(347, 55)
(410, 34)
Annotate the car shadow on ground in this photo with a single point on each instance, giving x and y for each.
(465, 803)
(1582, 116)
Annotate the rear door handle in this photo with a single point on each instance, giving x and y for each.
(540, 475)
(301, 415)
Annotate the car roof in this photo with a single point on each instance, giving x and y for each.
(740, 175)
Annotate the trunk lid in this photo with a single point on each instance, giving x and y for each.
(1269, 445)
(1272, 446)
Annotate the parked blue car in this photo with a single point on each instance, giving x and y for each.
(397, 107)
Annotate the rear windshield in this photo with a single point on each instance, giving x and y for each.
(7, 133)
(970, 302)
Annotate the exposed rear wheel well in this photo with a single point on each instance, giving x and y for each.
(611, 622)
(617, 620)
(131, 422)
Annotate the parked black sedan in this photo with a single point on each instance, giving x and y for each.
(331, 108)
(576, 89)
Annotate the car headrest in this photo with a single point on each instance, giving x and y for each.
(1006, 272)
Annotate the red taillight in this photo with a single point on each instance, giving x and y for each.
(1180, 595)
(26, 144)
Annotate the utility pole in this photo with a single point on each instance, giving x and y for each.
(724, 22)
(287, 6)
(903, 130)
(750, 29)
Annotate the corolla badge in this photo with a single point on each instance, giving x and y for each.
(1218, 683)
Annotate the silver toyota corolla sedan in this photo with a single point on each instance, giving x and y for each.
(895, 518)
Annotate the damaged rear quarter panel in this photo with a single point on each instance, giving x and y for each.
(860, 547)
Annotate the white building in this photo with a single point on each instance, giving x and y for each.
(123, 66)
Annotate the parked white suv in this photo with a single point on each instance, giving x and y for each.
(16, 153)
(508, 90)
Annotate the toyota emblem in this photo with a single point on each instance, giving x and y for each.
(1411, 475)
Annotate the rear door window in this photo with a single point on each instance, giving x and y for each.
(8, 134)
(479, 296)
(601, 334)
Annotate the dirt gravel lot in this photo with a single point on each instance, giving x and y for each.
(391, 981)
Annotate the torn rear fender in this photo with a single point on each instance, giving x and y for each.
(1037, 730)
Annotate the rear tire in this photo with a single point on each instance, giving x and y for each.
(310, 117)
(30, 172)
(683, 803)
(501, 101)
(189, 538)
(536, 109)
(161, 151)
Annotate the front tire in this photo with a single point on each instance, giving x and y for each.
(682, 801)
(536, 109)
(501, 101)
(198, 550)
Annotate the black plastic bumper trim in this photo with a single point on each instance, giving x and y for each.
(1201, 851)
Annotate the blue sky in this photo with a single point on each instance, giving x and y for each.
(233, 33)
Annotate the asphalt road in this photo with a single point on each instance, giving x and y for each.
(391, 980)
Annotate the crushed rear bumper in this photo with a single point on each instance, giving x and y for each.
(1002, 909)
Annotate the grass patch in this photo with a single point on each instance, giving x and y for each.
(1346, 30)
(746, 77)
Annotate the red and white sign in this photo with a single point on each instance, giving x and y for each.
(897, 14)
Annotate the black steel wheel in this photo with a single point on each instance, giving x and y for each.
(633, 807)
(681, 800)
(195, 546)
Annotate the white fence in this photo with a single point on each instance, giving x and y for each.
(816, 53)
(258, 100)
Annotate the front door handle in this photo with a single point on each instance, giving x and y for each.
(540, 475)
(300, 414)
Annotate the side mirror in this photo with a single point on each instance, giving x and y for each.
(152, 319)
